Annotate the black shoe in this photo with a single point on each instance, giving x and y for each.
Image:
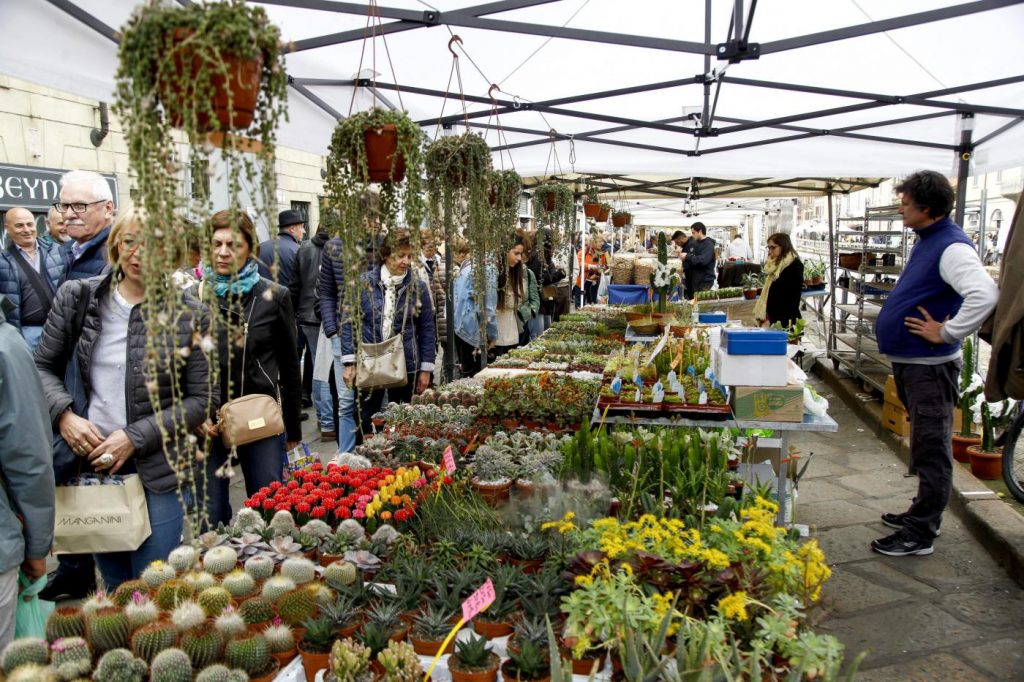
(304, 416)
(62, 586)
(901, 544)
(897, 521)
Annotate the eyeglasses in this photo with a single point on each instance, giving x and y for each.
(129, 243)
(771, 246)
(77, 207)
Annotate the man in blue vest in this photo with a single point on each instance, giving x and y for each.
(943, 295)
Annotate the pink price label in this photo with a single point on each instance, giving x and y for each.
(449, 460)
(478, 601)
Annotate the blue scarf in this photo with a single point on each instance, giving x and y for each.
(239, 284)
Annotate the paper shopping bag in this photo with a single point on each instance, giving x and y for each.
(110, 516)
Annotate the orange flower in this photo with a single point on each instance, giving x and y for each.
(395, 500)
(385, 516)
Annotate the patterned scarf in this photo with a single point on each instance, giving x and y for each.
(772, 269)
(238, 284)
(391, 284)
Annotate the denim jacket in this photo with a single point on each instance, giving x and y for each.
(467, 314)
(419, 334)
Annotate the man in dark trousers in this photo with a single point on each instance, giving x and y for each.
(277, 256)
(699, 260)
(942, 296)
(306, 303)
(87, 205)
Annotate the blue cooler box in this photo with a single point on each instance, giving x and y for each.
(716, 317)
(755, 341)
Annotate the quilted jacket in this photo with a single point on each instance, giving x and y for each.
(10, 275)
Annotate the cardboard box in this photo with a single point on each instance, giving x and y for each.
(895, 419)
(769, 403)
(891, 396)
(750, 370)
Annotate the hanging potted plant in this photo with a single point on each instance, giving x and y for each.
(970, 387)
(986, 458)
(591, 205)
(603, 213)
(621, 218)
(554, 205)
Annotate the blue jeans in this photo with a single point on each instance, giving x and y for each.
(346, 403)
(536, 325)
(262, 463)
(321, 389)
(32, 336)
(166, 517)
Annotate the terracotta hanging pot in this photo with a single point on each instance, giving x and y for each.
(988, 466)
(381, 150)
(591, 210)
(960, 445)
(602, 215)
(621, 220)
(549, 201)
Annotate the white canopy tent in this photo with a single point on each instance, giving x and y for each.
(631, 93)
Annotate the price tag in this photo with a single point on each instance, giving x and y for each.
(449, 460)
(478, 601)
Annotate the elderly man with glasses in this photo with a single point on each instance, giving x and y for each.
(88, 209)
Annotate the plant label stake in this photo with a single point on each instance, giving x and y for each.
(449, 460)
(474, 604)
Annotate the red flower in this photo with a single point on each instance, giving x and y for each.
(318, 512)
(293, 485)
(275, 485)
(268, 504)
(343, 513)
(302, 508)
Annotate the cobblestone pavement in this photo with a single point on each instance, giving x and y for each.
(953, 615)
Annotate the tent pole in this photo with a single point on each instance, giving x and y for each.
(706, 113)
(964, 164)
(449, 313)
(830, 341)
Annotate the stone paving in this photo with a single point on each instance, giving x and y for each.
(953, 615)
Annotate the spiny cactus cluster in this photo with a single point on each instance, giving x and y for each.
(250, 654)
(23, 652)
(70, 658)
(239, 584)
(182, 559)
(171, 665)
(203, 645)
(107, 629)
(118, 665)
(249, 521)
(65, 621)
(256, 610)
(220, 560)
(299, 570)
(260, 567)
(316, 528)
(151, 639)
(157, 573)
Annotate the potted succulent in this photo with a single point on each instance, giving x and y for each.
(532, 629)
(346, 615)
(528, 551)
(752, 283)
(387, 615)
(814, 272)
(473, 661)
(493, 472)
(251, 654)
(986, 458)
(375, 638)
(529, 664)
(281, 641)
(400, 663)
(604, 212)
(429, 630)
(315, 645)
(970, 386)
(349, 662)
(591, 205)
(621, 218)
(497, 620)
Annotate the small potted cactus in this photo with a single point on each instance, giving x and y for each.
(315, 645)
(296, 606)
(220, 560)
(172, 593)
(123, 594)
(230, 623)
(204, 645)
(221, 673)
(281, 641)
(251, 654)
(429, 630)
(119, 665)
(529, 664)
(65, 621)
(388, 615)
(239, 584)
(25, 651)
(473, 661)
(107, 629)
(149, 640)
(171, 665)
(141, 610)
(157, 573)
(349, 662)
(214, 600)
(400, 663)
(299, 570)
(256, 613)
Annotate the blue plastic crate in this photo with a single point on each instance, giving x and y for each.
(755, 342)
(715, 317)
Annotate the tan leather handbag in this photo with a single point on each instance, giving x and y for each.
(381, 365)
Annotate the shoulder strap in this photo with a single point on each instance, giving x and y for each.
(35, 280)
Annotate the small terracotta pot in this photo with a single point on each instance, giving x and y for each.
(583, 666)
(529, 566)
(328, 559)
(376, 667)
(313, 663)
(960, 445)
(271, 673)
(510, 424)
(285, 657)
(381, 150)
(621, 220)
(489, 675)
(399, 634)
(351, 629)
(591, 210)
(429, 647)
(988, 466)
(750, 294)
(525, 488)
(492, 493)
(509, 674)
(602, 216)
(492, 629)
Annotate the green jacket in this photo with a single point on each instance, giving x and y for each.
(531, 304)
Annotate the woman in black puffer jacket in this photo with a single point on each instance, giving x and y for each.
(119, 431)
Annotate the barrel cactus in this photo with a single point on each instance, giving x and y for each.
(33, 672)
(276, 586)
(172, 593)
(171, 665)
(260, 567)
(65, 621)
(71, 658)
(230, 623)
(123, 594)
(214, 600)
(324, 595)
(221, 673)
(256, 610)
(249, 521)
(299, 570)
(220, 560)
(119, 665)
(250, 654)
(24, 651)
(340, 573)
(187, 616)
(182, 559)
(200, 580)
(140, 610)
(239, 584)
(283, 523)
(280, 637)
(157, 573)
(203, 645)
(316, 528)
(151, 639)
(95, 602)
(295, 606)
(107, 629)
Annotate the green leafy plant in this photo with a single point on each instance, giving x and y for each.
(400, 663)
(318, 636)
(473, 654)
(350, 661)
(529, 663)
(970, 386)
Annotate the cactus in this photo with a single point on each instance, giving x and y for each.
(350, 661)
(33, 672)
(351, 529)
(340, 573)
(256, 610)
(95, 602)
(123, 594)
(71, 658)
(249, 521)
(171, 665)
(276, 586)
(118, 665)
(295, 606)
(283, 523)
(140, 610)
(157, 573)
(324, 595)
(401, 663)
(260, 567)
(299, 570)
(230, 623)
(385, 534)
(182, 559)
(317, 529)
(214, 600)
(107, 629)
(220, 560)
(24, 651)
(172, 593)
(221, 673)
(250, 654)
(65, 621)
(187, 616)
(203, 645)
(280, 637)
(200, 580)
(151, 639)
(239, 584)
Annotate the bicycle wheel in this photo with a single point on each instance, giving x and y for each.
(1013, 459)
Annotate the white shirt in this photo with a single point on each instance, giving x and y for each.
(738, 248)
(33, 259)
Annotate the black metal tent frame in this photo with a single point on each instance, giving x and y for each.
(736, 48)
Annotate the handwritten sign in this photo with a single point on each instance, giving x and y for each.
(449, 460)
(478, 601)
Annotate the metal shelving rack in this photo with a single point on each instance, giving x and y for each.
(852, 342)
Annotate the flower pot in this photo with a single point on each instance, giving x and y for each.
(621, 220)
(492, 629)
(510, 424)
(816, 280)
(468, 675)
(750, 294)
(285, 657)
(583, 666)
(429, 647)
(381, 147)
(553, 427)
(549, 201)
(531, 424)
(269, 674)
(591, 210)
(525, 488)
(376, 667)
(528, 566)
(960, 445)
(241, 88)
(313, 663)
(509, 674)
(351, 629)
(328, 559)
(492, 493)
(988, 466)
(399, 634)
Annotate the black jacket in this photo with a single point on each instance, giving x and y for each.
(304, 285)
(282, 251)
(783, 303)
(271, 358)
(179, 415)
(700, 264)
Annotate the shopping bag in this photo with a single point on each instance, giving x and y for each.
(101, 514)
(602, 288)
(31, 613)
